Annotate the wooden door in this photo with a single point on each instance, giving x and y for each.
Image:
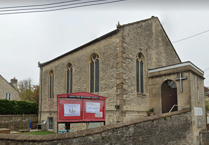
(169, 96)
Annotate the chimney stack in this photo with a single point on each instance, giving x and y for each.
(14, 83)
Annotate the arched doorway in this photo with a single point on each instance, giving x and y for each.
(169, 96)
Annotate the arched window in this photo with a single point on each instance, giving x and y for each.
(94, 73)
(51, 85)
(140, 73)
(69, 78)
(169, 85)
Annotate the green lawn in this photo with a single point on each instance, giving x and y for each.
(38, 133)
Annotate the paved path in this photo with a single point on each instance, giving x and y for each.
(15, 132)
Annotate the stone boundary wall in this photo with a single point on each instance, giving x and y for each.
(204, 138)
(15, 125)
(170, 128)
(32, 117)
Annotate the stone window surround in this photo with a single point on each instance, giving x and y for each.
(144, 74)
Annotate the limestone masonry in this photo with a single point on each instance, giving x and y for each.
(139, 69)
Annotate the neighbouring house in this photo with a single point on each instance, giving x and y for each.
(9, 90)
(135, 67)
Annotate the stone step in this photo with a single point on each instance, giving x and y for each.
(15, 132)
(35, 130)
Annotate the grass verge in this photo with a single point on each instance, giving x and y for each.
(38, 133)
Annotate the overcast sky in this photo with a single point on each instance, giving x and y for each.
(26, 39)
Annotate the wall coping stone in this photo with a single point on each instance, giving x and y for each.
(174, 70)
(204, 132)
(183, 64)
(91, 131)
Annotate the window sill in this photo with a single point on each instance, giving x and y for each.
(96, 93)
(141, 94)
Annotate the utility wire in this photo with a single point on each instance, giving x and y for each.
(53, 6)
(191, 36)
(38, 5)
(206, 69)
(62, 8)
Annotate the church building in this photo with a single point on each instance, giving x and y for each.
(134, 66)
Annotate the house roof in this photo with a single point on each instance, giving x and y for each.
(9, 84)
(103, 37)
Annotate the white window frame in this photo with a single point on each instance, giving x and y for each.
(8, 96)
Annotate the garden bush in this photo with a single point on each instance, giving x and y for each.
(17, 107)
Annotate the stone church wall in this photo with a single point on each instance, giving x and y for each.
(197, 100)
(192, 94)
(155, 86)
(167, 129)
(146, 37)
(5, 87)
(107, 49)
(117, 69)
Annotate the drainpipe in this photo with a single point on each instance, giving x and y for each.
(40, 93)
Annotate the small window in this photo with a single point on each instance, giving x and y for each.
(8, 96)
(169, 85)
(50, 122)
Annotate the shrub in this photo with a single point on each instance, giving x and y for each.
(151, 110)
(17, 107)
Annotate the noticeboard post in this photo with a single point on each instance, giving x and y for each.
(80, 107)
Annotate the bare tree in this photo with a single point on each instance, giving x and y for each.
(26, 88)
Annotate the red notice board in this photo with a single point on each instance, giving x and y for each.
(80, 107)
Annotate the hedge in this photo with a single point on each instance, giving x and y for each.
(17, 107)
